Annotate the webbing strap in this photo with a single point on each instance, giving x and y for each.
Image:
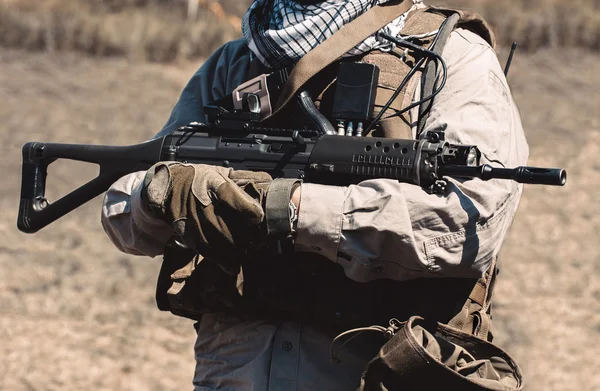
(479, 293)
(338, 44)
(277, 212)
(474, 317)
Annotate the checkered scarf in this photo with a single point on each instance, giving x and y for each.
(280, 32)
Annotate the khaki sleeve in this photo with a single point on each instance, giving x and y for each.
(385, 229)
(128, 224)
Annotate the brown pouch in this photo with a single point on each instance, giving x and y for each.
(428, 357)
(190, 286)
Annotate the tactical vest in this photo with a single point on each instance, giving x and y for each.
(308, 288)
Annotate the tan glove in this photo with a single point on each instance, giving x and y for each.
(217, 211)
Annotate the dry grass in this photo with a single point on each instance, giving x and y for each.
(137, 29)
(157, 30)
(537, 24)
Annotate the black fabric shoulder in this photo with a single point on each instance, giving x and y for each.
(225, 65)
(237, 56)
(220, 74)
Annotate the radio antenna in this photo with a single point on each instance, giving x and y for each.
(513, 49)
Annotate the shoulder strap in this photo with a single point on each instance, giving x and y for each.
(339, 43)
(475, 315)
(455, 18)
(430, 74)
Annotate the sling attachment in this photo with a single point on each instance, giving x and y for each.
(277, 208)
(430, 74)
(338, 44)
(475, 315)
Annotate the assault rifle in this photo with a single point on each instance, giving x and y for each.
(236, 139)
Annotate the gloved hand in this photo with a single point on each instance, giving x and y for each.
(216, 210)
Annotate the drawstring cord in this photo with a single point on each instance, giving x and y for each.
(388, 332)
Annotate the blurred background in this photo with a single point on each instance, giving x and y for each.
(77, 314)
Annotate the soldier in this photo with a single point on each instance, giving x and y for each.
(363, 254)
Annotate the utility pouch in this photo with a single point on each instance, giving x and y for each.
(190, 286)
(428, 357)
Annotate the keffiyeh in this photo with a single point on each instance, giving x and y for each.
(280, 32)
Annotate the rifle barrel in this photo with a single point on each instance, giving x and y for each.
(523, 174)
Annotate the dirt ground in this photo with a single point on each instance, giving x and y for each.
(77, 314)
